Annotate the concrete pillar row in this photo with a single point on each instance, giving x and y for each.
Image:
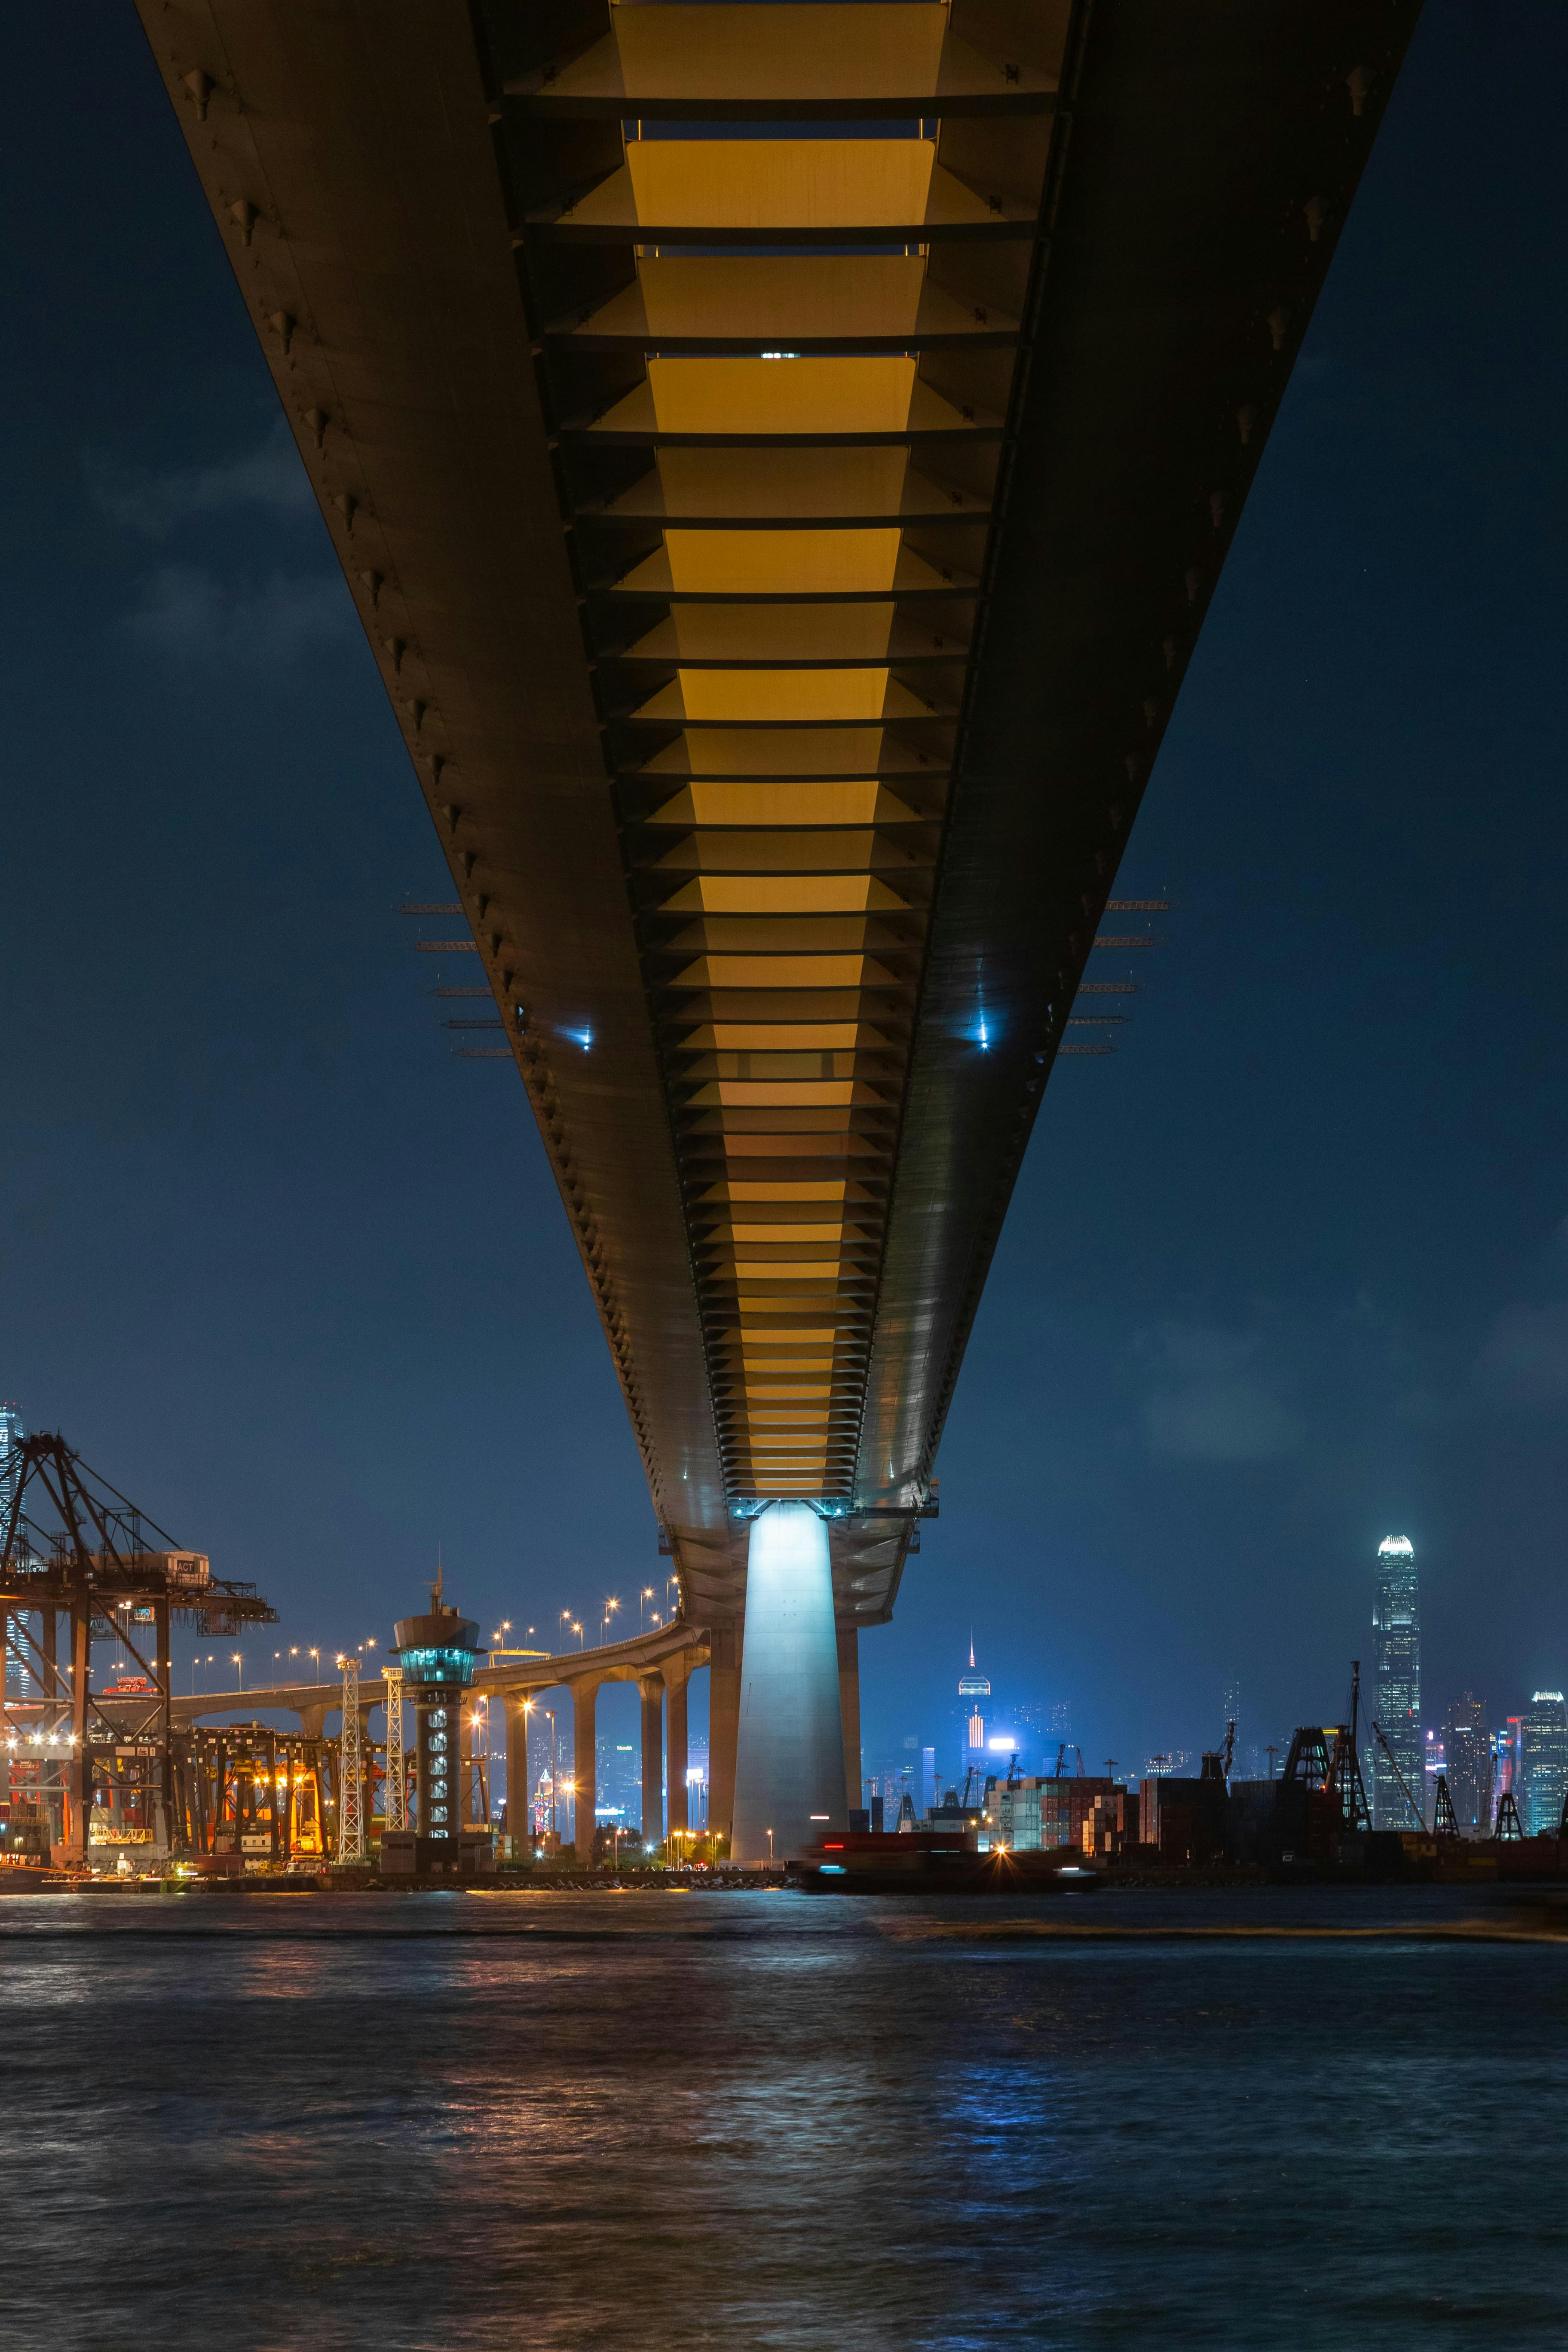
(585, 1762)
(677, 1680)
(650, 1688)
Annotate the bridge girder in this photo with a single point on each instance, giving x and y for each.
(781, 459)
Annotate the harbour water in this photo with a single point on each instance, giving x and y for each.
(669, 2120)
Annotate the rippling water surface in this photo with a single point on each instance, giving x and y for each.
(760, 2120)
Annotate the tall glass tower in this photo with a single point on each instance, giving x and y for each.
(975, 1687)
(1543, 1740)
(1396, 1679)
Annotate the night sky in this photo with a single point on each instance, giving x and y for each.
(1292, 1277)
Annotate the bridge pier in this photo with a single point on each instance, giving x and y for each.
(677, 1685)
(850, 1709)
(585, 1763)
(724, 1725)
(517, 1781)
(650, 1688)
(789, 1772)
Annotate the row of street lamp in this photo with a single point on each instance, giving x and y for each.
(281, 1658)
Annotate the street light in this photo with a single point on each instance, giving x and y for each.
(236, 1660)
(770, 1849)
(610, 1609)
(578, 1630)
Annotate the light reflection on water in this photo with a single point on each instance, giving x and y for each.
(446, 2123)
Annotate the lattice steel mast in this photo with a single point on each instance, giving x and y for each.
(351, 1804)
(397, 1784)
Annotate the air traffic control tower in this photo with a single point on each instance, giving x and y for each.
(781, 457)
(437, 1654)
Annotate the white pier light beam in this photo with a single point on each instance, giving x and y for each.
(789, 1765)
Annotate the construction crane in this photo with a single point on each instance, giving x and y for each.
(1420, 1816)
(1444, 1823)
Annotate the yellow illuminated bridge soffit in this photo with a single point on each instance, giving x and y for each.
(781, 456)
(776, 283)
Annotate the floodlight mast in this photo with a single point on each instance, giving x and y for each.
(397, 1784)
(351, 1804)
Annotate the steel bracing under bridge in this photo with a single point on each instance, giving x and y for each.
(782, 456)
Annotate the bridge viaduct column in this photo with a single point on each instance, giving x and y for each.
(850, 1708)
(517, 1779)
(789, 1770)
(312, 1721)
(650, 1688)
(724, 1645)
(676, 1680)
(585, 1763)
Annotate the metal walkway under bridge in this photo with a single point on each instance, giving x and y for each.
(781, 456)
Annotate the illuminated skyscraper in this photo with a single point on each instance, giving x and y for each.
(1467, 1749)
(1396, 1679)
(1543, 1746)
(974, 1686)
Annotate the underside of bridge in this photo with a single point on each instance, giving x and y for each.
(781, 456)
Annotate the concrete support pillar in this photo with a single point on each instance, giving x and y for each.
(850, 1709)
(676, 1681)
(724, 1647)
(519, 1787)
(312, 1721)
(789, 1770)
(585, 1763)
(651, 1688)
(464, 1712)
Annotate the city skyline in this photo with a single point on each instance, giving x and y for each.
(1027, 1707)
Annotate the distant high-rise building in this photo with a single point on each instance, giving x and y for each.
(1543, 1756)
(1396, 1681)
(1230, 1707)
(974, 1686)
(1467, 1753)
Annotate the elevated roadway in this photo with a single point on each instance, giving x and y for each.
(782, 457)
(661, 1663)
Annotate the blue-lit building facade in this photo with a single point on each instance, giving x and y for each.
(1543, 1764)
(1397, 1684)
